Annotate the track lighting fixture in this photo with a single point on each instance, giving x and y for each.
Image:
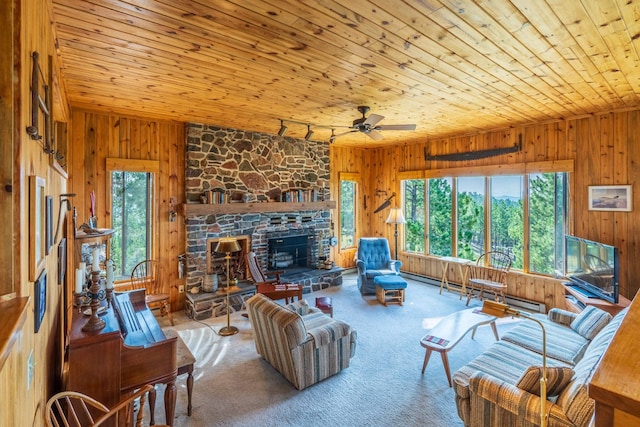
(332, 138)
(283, 128)
(309, 133)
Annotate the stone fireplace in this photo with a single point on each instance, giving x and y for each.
(259, 168)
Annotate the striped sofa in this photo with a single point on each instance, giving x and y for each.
(500, 387)
(302, 343)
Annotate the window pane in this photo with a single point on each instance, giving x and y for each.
(131, 220)
(542, 197)
(414, 209)
(470, 212)
(440, 218)
(507, 232)
(347, 214)
(560, 222)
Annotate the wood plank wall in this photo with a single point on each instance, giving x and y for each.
(23, 396)
(605, 149)
(97, 136)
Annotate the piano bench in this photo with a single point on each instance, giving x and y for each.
(185, 362)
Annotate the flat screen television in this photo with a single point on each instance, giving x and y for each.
(592, 268)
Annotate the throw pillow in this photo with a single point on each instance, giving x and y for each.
(557, 379)
(590, 321)
(301, 307)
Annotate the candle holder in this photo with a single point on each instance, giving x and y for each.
(109, 296)
(80, 299)
(96, 294)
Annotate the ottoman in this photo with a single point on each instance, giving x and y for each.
(390, 286)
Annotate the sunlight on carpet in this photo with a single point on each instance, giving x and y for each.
(383, 386)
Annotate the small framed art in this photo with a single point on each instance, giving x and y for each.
(610, 198)
(36, 226)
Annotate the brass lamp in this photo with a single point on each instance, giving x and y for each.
(228, 245)
(396, 217)
(497, 309)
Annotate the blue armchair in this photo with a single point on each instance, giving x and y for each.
(374, 259)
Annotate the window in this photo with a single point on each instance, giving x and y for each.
(523, 215)
(131, 201)
(347, 214)
(414, 197)
(470, 216)
(547, 201)
(507, 232)
(440, 216)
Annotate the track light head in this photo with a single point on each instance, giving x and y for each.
(332, 138)
(309, 133)
(283, 128)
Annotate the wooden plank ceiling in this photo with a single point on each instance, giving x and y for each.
(448, 66)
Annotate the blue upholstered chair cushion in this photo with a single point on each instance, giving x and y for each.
(373, 259)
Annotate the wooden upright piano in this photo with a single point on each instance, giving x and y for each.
(129, 352)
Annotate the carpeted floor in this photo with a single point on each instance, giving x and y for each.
(383, 386)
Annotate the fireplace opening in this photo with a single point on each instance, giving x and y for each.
(291, 252)
(288, 252)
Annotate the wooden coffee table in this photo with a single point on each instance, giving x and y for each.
(448, 332)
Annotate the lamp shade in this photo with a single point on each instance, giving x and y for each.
(227, 245)
(396, 216)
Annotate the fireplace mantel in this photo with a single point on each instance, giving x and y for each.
(199, 209)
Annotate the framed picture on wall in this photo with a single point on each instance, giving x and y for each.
(610, 198)
(48, 229)
(36, 226)
(39, 300)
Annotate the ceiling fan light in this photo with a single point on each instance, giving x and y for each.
(283, 129)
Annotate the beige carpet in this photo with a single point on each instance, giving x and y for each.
(382, 387)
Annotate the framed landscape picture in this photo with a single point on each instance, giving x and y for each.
(610, 198)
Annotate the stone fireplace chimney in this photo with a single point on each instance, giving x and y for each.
(244, 176)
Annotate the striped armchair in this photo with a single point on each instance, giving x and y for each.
(304, 346)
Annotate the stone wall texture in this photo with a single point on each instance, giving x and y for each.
(256, 168)
(257, 164)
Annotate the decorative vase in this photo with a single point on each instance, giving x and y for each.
(210, 283)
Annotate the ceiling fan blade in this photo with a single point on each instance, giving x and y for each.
(375, 135)
(344, 133)
(373, 120)
(396, 127)
(332, 139)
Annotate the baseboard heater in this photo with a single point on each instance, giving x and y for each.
(532, 306)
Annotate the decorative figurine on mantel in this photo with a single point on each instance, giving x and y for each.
(93, 220)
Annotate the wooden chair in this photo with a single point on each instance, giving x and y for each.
(272, 287)
(73, 409)
(145, 275)
(490, 274)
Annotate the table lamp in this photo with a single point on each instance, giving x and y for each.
(396, 217)
(228, 245)
(497, 309)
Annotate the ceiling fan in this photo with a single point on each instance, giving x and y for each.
(369, 125)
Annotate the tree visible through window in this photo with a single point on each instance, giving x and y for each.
(414, 197)
(347, 214)
(131, 210)
(470, 215)
(437, 199)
